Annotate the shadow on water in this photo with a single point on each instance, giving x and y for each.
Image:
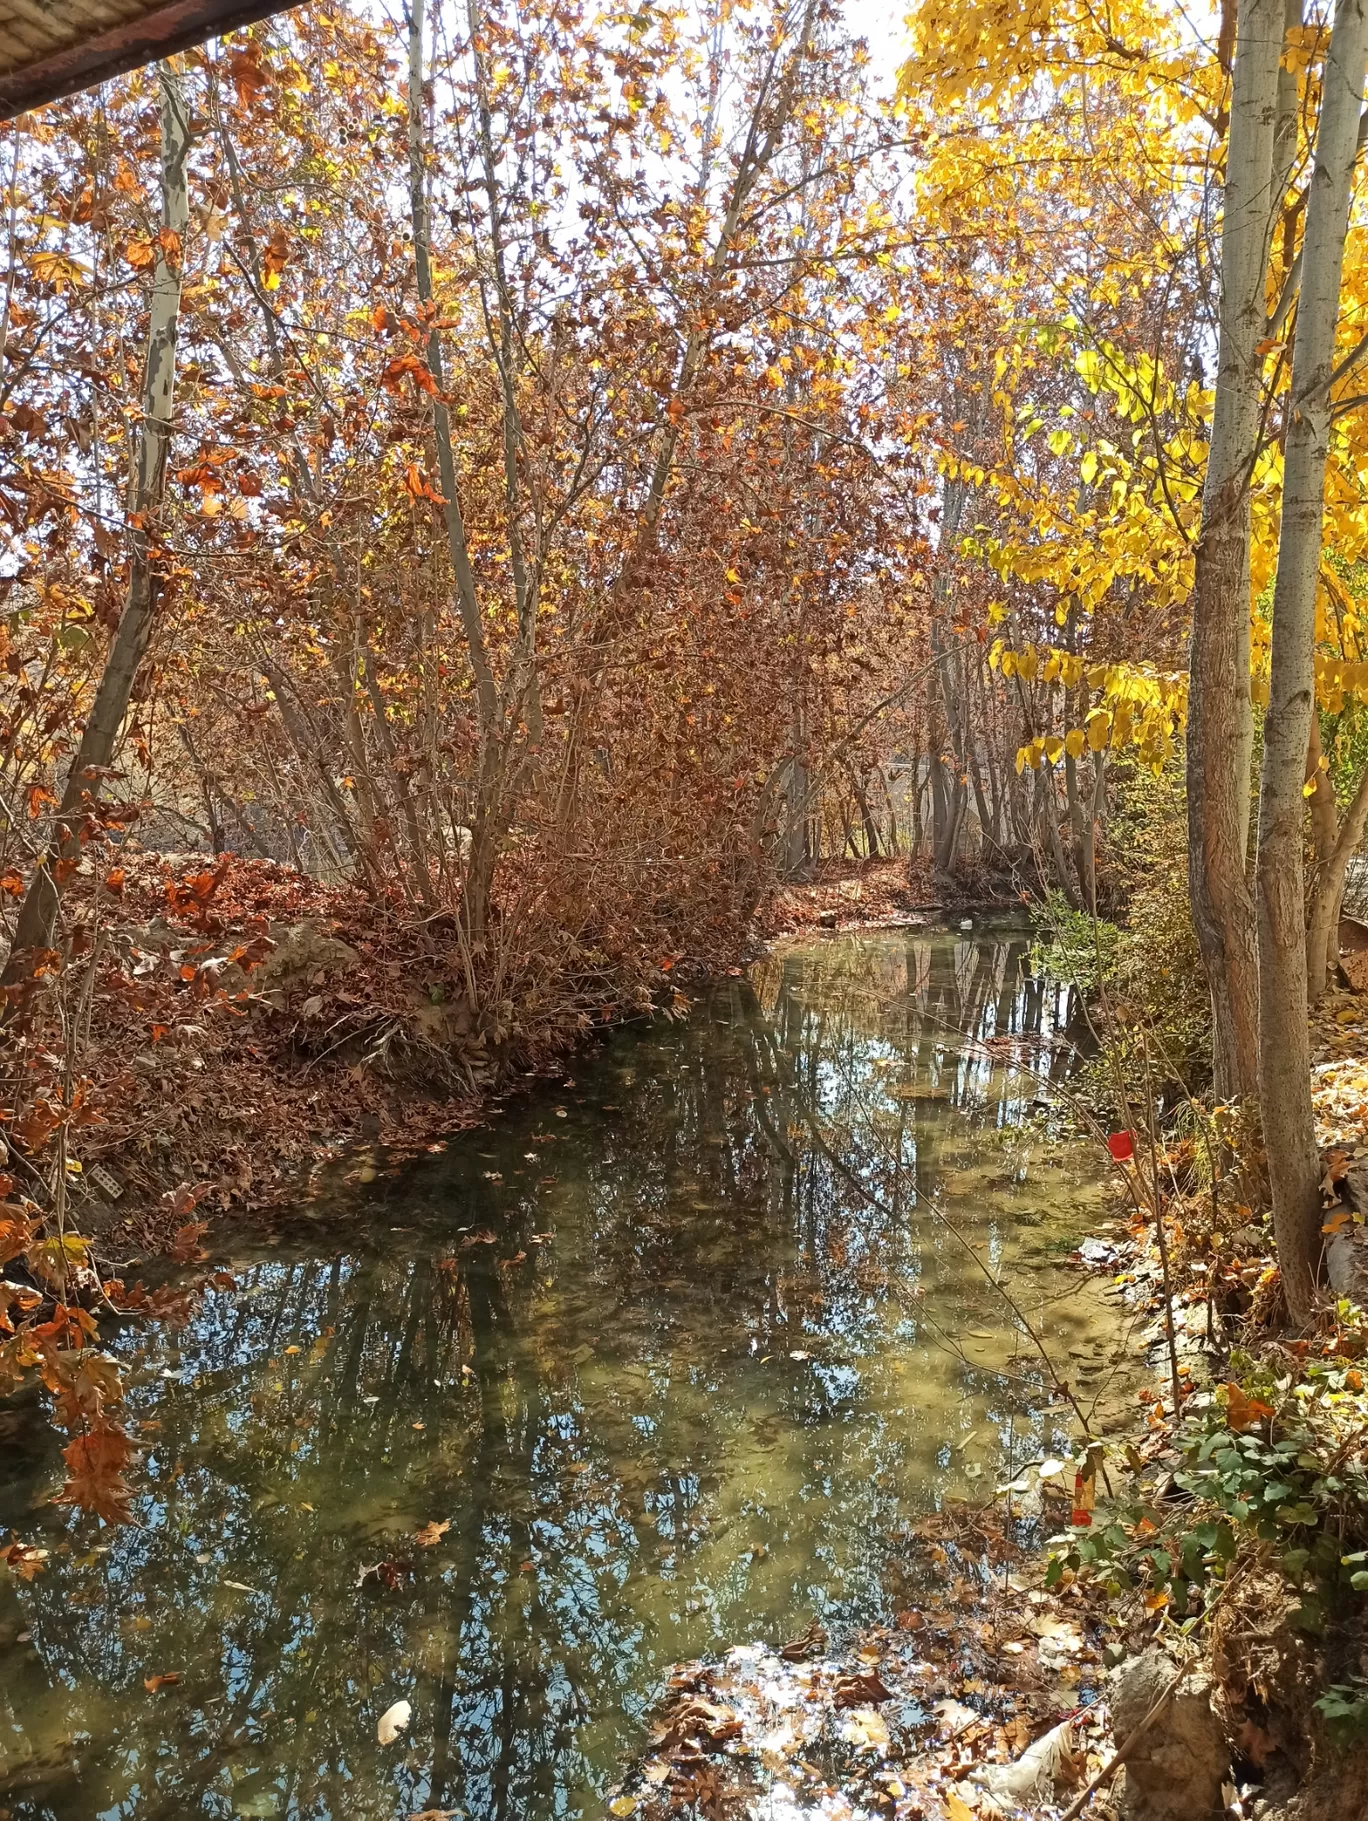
(671, 1356)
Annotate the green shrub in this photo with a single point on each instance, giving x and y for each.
(1141, 973)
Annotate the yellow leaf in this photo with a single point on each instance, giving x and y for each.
(622, 1805)
(1074, 742)
(957, 1809)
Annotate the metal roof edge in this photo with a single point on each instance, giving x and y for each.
(160, 32)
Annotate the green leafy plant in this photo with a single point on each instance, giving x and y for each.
(1283, 1479)
(1344, 1708)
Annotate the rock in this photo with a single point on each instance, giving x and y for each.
(1176, 1771)
(1346, 1255)
(826, 919)
(1346, 1265)
(302, 948)
(301, 954)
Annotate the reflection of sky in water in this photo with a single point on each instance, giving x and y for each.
(701, 1408)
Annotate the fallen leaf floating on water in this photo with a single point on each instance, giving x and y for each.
(861, 1690)
(697, 1718)
(169, 1680)
(24, 1560)
(392, 1722)
(866, 1729)
(955, 1717)
(810, 1643)
(390, 1574)
(622, 1805)
(432, 1533)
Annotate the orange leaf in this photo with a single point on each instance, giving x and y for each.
(24, 1560)
(1244, 1412)
(95, 1466)
(168, 1680)
(186, 1245)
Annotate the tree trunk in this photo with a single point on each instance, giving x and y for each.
(1220, 721)
(486, 695)
(1284, 1050)
(38, 913)
(1327, 893)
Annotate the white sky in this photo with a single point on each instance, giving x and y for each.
(884, 24)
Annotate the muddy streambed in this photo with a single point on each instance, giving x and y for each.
(667, 1359)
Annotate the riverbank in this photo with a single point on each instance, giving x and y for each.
(1171, 1621)
(236, 1025)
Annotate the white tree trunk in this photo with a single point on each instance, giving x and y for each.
(1284, 1050)
(1220, 723)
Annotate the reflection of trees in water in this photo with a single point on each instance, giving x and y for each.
(590, 1419)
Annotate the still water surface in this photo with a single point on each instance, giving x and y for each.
(675, 1351)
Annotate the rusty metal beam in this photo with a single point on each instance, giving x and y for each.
(162, 30)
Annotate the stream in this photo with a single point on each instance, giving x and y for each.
(666, 1358)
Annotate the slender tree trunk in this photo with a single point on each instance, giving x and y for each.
(914, 837)
(1284, 1051)
(1220, 722)
(472, 625)
(1327, 895)
(38, 913)
(894, 845)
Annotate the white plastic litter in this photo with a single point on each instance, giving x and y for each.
(1035, 1771)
